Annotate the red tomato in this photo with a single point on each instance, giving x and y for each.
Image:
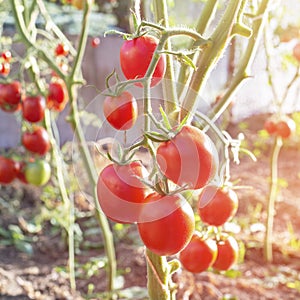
(169, 224)
(61, 50)
(20, 167)
(217, 205)
(33, 108)
(121, 111)
(228, 251)
(135, 57)
(10, 93)
(285, 127)
(9, 107)
(120, 192)
(57, 95)
(199, 254)
(36, 141)
(95, 42)
(4, 68)
(6, 55)
(270, 126)
(188, 158)
(8, 171)
(296, 51)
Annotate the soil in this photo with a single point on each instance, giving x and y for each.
(37, 276)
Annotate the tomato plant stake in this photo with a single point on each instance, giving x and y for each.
(268, 254)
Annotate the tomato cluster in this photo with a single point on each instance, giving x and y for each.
(283, 126)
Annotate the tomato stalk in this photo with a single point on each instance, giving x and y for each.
(243, 71)
(268, 254)
(160, 9)
(228, 26)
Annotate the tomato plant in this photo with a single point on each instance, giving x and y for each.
(36, 141)
(120, 192)
(228, 251)
(168, 226)
(199, 254)
(8, 171)
(217, 205)
(6, 55)
(120, 111)
(135, 58)
(33, 108)
(37, 172)
(174, 158)
(4, 68)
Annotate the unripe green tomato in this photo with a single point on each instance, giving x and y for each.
(38, 172)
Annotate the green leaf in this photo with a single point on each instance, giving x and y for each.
(165, 118)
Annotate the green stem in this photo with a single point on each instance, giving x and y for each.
(246, 62)
(203, 22)
(211, 54)
(158, 272)
(160, 8)
(268, 254)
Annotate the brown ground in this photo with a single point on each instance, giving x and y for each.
(36, 277)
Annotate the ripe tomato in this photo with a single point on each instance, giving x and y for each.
(121, 111)
(168, 226)
(285, 127)
(199, 254)
(33, 108)
(188, 158)
(57, 95)
(20, 167)
(228, 251)
(6, 55)
(270, 126)
(120, 192)
(37, 172)
(10, 93)
(296, 51)
(4, 68)
(61, 50)
(11, 108)
(8, 171)
(36, 141)
(135, 57)
(95, 42)
(217, 205)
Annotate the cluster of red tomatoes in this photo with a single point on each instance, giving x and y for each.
(283, 126)
(35, 138)
(5, 60)
(165, 219)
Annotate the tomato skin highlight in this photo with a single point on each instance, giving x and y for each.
(8, 170)
(135, 58)
(217, 205)
(37, 172)
(61, 50)
(170, 234)
(95, 42)
(33, 108)
(121, 111)
(188, 158)
(37, 141)
(4, 68)
(120, 192)
(228, 251)
(199, 254)
(6, 55)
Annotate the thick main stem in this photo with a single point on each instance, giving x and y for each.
(210, 55)
(268, 253)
